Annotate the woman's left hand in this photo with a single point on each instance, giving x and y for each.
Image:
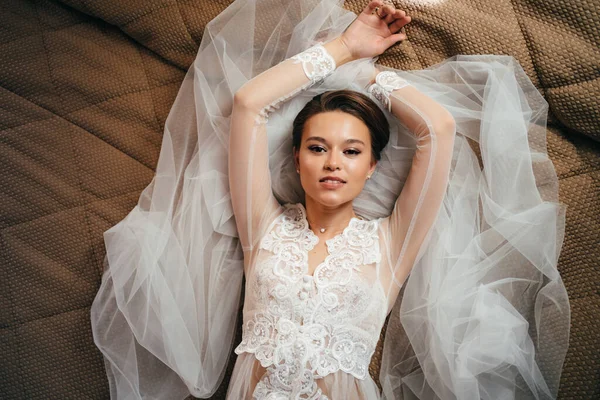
(370, 35)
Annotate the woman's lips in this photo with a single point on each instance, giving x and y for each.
(331, 183)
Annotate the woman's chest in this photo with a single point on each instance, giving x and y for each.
(339, 289)
(294, 274)
(316, 257)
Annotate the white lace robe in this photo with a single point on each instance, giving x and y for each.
(312, 336)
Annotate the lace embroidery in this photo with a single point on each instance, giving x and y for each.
(304, 327)
(385, 83)
(317, 64)
(278, 383)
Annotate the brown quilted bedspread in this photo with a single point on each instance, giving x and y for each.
(86, 86)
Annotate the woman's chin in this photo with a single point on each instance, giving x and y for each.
(331, 199)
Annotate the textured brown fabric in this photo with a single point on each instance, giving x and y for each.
(86, 86)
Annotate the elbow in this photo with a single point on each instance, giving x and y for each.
(446, 125)
(241, 98)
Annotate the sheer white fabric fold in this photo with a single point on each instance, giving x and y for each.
(483, 312)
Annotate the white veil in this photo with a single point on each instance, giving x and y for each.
(484, 313)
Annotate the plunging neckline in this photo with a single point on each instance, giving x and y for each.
(328, 242)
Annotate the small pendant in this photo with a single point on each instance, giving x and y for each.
(322, 230)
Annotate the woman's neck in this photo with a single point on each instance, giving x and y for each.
(328, 222)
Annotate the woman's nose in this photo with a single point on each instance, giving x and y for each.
(332, 162)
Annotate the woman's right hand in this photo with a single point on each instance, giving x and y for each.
(369, 35)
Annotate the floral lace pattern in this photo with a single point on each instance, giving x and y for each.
(385, 83)
(302, 327)
(277, 384)
(317, 64)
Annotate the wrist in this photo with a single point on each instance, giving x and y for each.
(340, 52)
(385, 82)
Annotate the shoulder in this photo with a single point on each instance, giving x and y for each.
(293, 215)
(364, 226)
(291, 223)
(293, 209)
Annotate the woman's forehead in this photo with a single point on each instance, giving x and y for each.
(336, 126)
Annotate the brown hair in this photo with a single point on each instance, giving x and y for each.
(353, 103)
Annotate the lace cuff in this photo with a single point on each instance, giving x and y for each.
(385, 83)
(316, 62)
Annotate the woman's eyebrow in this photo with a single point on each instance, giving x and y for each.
(322, 140)
(355, 141)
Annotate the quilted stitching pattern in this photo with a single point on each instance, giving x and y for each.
(85, 88)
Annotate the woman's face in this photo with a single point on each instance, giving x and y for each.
(334, 158)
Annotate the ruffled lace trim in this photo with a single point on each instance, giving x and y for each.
(385, 83)
(359, 237)
(316, 62)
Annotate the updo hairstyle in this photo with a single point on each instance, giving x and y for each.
(353, 103)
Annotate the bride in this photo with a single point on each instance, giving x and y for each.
(275, 165)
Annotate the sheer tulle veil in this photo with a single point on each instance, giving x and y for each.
(484, 312)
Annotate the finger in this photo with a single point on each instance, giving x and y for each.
(399, 23)
(392, 39)
(389, 12)
(370, 8)
(398, 14)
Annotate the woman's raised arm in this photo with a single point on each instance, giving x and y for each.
(253, 202)
(405, 231)
(252, 198)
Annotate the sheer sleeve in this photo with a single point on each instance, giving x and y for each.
(254, 204)
(470, 248)
(405, 231)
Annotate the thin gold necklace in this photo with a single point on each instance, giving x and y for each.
(323, 230)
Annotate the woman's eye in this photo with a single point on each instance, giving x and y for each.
(316, 149)
(353, 152)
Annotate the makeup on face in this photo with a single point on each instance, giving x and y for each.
(334, 157)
